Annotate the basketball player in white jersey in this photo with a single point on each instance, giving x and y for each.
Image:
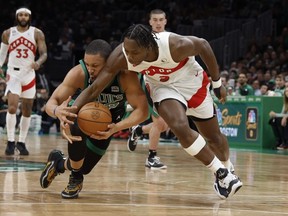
(179, 87)
(21, 43)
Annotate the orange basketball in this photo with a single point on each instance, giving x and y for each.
(93, 117)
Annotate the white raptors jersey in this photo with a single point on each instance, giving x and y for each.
(164, 69)
(22, 47)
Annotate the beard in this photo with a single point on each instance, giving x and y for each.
(23, 23)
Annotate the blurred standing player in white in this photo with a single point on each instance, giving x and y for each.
(21, 43)
(158, 22)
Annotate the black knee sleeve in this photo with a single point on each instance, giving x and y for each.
(78, 149)
(95, 151)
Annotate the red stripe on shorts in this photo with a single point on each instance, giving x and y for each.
(201, 94)
(29, 85)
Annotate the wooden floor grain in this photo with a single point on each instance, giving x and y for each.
(121, 186)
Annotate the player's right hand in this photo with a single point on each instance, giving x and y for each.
(272, 114)
(221, 94)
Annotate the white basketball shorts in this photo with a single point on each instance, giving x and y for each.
(192, 91)
(21, 82)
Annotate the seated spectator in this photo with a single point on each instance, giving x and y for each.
(244, 88)
(265, 91)
(256, 87)
(279, 85)
(279, 124)
(224, 79)
(230, 91)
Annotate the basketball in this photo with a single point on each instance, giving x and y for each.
(93, 117)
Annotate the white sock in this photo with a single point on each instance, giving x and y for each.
(10, 125)
(215, 165)
(24, 127)
(228, 164)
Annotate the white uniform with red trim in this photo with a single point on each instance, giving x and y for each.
(185, 81)
(22, 50)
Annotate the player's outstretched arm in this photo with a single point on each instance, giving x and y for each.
(115, 63)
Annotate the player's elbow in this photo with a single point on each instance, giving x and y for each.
(204, 44)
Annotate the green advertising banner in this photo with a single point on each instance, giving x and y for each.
(244, 120)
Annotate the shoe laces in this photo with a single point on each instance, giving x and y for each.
(156, 159)
(74, 182)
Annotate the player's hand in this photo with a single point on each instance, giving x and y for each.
(66, 133)
(272, 114)
(35, 66)
(221, 94)
(65, 113)
(105, 134)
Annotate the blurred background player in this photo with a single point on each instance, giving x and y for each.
(157, 21)
(22, 42)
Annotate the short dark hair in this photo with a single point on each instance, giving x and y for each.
(157, 11)
(143, 35)
(100, 47)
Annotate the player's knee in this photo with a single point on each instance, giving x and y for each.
(180, 128)
(161, 124)
(12, 109)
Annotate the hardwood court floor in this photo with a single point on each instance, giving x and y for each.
(121, 186)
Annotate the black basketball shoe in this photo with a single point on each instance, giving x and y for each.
(73, 188)
(51, 171)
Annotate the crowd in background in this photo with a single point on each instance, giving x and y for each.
(69, 27)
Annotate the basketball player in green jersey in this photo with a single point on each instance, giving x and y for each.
(85, 152)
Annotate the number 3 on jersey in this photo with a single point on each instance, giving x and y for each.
(164, 78)
(22, 53)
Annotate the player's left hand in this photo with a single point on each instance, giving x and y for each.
(105, 134)
(66, 133)
(221, 94)
(64, 112)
